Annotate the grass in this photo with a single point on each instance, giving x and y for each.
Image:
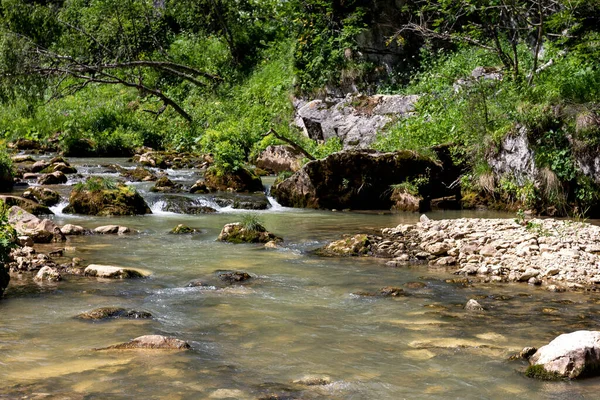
(97, 184)
(252, 222)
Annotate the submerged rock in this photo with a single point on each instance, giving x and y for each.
(232, 277)
(570, 355)
(237, 233)
(182, 229)
(186, 205)
(473, 305)
(313, 380)
(240, 180)
(112, 313)
(112, 272)
(152, 342)
(358, 180)
(255, 201)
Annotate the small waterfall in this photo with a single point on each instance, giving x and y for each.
(57, 209)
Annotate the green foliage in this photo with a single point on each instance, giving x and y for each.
(8, 235)
(96, 184)
(539, 372)
(252, 222)
(412, 186)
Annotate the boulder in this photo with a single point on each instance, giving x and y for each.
(42, 195)
(473, 305)
(237, 233)
(26, 144)
(112, 230)
(571, 355)
(357, 245)
(72, 230)
(63, 167)
(154, 342)
(280, 158)
(7, 180)
(240, 180)
(54, 178)
(27, 224)
(112, 272)
(118, 200)
(48, 274)
(39, 166)
(22, 158)
(165, 185)
(359, 180)
(113, 313)
(26, 204)
(199, 187)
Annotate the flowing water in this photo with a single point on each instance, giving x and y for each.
(297, 317)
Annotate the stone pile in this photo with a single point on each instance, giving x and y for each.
(559, 254)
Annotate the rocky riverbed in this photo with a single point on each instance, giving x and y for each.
(559, 254)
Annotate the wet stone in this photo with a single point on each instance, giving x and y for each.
(106, 313)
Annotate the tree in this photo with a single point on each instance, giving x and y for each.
(499, 26)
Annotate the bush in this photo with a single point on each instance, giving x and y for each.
(251, 222)
(8, 235)
(96, 184)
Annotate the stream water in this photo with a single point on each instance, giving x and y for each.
(298, 317)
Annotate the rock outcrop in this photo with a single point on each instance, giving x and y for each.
(280, 158)
(571, 355)
(354, 120)
(54, 178)
(151, 342)
(359, 180)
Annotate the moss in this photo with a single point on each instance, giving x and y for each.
(104, 201)
(539, 372)
(182, 229)
(241, 180)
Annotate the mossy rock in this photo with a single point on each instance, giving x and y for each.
(182, 230)
(357, 245)
(539, 372)
(138, 174)
(44, 196)
(241, 180)
(121, 200)
(26, 204)
(105, 313)
(237, 233)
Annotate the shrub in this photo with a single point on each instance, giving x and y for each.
(96, 184)
(8, 235)
(251, 222)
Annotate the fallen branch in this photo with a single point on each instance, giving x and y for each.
(295, 145)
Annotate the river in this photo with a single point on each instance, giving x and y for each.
(297, 317)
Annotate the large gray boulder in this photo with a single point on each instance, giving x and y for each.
(355, 120)
(570, 355)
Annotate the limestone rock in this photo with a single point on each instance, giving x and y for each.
(112, 230)
(186, 205)
(48, 274)
(112, 272)
(27, 224)
(182, 229)
(152, 342)
(473, 305)
(70, 229)
(570, 355)
(280, 158)
(120, 200)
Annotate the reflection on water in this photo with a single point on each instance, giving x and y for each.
(297, 317)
